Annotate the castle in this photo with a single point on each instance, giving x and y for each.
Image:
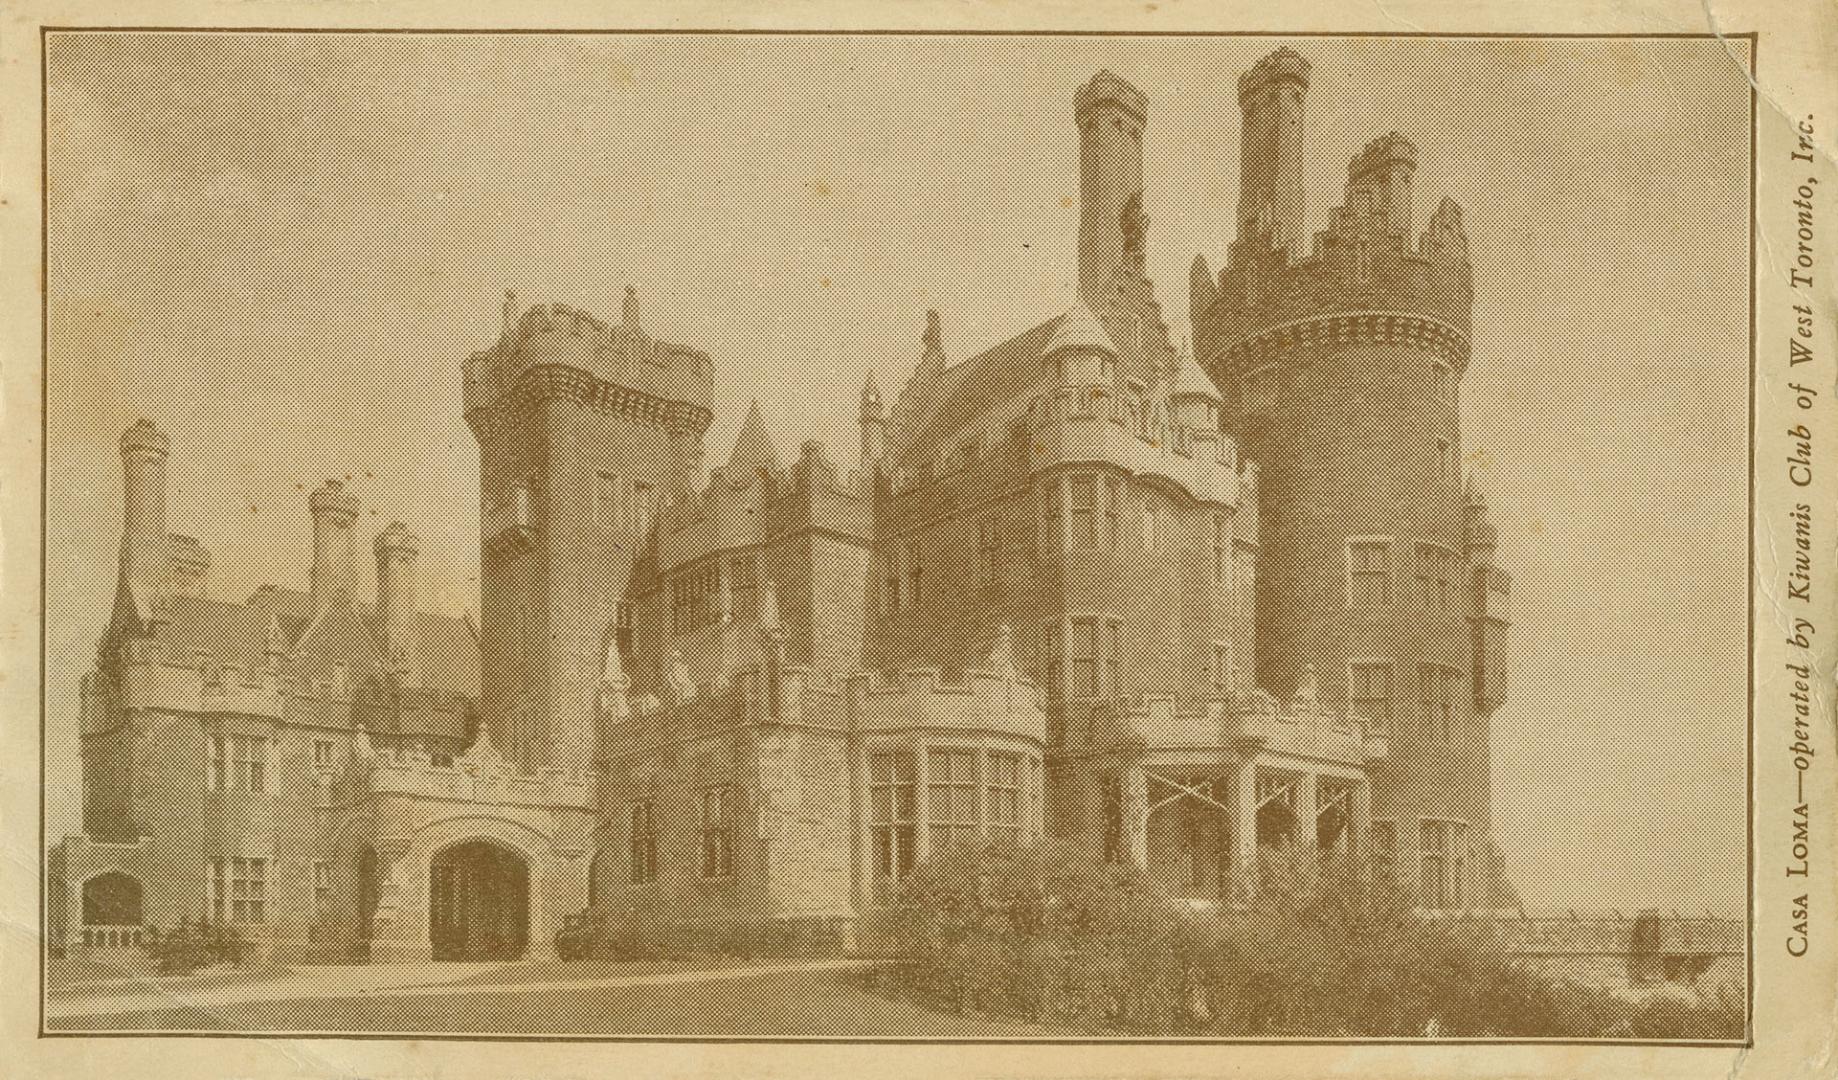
(1174, 608)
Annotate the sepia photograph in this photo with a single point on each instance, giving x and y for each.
(898, 536)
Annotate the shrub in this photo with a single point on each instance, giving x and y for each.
(1052, 935)
(188, 947)
(650, 934)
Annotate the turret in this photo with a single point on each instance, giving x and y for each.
(396, 550)
(334, 512)
(874, 428)
(1111, 114)
(1193, 401)
(1379, 179)
(190, 565)
(1081, 353)
(144, 547)
(1271, 203)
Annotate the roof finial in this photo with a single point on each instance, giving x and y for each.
(934, 337)
(629, 312)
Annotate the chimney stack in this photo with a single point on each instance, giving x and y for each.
(145, 563)
(1111, 114)
(334, 557)
(1270, 192)
(396, 551)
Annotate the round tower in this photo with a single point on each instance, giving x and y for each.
(1341, 375)
(396, 550)
(334, 512)
(1271, 199)
(1111, 114)
(144, 563)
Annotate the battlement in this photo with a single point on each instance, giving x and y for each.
(1386, 151)
(480, 775)
(1246, 720)
(652, 380)
(1283, 65)
(1360, 278)
(997, 700)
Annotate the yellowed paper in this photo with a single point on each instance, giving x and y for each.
(1027, 540)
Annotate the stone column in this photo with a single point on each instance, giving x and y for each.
(1360, 842)
(1244, 826)
(1307, 824)
(1136, 813)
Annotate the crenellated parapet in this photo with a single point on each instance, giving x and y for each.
(556, 351)
(1363, 283)
(1250, 720)
(480, 776)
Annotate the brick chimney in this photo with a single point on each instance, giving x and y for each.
(334, 559)
(396, 552)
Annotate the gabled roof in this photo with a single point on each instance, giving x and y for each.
(446, 648)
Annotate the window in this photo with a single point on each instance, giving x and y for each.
(522, 504)
(239, 762)
(989, 559)
(743, 586)
(1082, 508)
(1435, 571)
(1053, 663)
(694, 597)
(322, 890)
(892, 812)
(1005, 797)
(1384, 855)
(1113, 510)
(251, 763)
(718, 832)
(1442, 863)
(322, 753)
(238, 890)
(1110, 799)
(606, 501)
(915, 574)
(643, 843)
(622, 630)
(1113, 658)
(1436, 692)
(1085, 658)
(1050, 495)
(951, 810)
(1369, 573)
(1369, 694)
(1221, 669)
(1445, 459)
(642, 508)
(1222, 549)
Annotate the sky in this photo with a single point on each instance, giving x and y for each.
(281, 248)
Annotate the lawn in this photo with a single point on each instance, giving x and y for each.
(811, 1005)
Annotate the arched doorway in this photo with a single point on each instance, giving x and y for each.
(479, 902)
(111, 910)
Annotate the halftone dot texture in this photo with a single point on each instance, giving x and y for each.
(1190, 586)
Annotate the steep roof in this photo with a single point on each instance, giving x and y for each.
(754, 454)
(446, 649)
(1191, 379)
(1079, 329)
(983, 381)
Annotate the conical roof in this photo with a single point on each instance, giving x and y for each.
(1191, 380)
(753, 454)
